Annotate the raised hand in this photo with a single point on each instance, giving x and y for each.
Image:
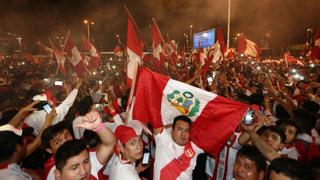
(90, 121)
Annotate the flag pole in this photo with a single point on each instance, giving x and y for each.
(229, 15)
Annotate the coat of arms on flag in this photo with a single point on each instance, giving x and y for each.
(184, 102)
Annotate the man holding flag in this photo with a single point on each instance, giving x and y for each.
(199, 119)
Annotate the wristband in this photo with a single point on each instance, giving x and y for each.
(99, 128)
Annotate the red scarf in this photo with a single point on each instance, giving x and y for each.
(174, 168)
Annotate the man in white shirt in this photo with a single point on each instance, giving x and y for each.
(36, 119)
(176, 155)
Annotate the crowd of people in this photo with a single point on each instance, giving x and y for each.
(85, 133)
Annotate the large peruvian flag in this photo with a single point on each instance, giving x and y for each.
(94, 59)
(247, 47)
(75, 57)
(159, 99)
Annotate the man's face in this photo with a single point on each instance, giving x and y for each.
(133, 149)
(59, 139)
(291, 133)
(277, 176)
(273, 139)
(180, 132)
(77, 168)
(245, 169)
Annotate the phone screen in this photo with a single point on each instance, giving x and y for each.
(47, 108)
(209, 80)
(58, 83)
(146, 157)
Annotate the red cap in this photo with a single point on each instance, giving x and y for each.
(124, 133)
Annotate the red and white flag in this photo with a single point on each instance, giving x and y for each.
(157, 40)
(247, 47)
(220, 40)
(134, 50)
(315, 50)
(94, 59)
(290, 59)
(229, 54)
(75, 57)
(158, 99)
(59, 55)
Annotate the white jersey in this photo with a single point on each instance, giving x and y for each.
(96, 166)
(167, 150)
(226, 159)
(37, 118)
(123, 170)
(14, 172)
(290, 152)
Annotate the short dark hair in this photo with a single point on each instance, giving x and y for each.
(181, 118)
(50, 132)
(252, 153)
(8, 142)
(289, 167)
(84, 106)
(286, 122)
(68, 150)
(275, 129)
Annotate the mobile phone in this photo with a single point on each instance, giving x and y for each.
(47, 108)
(249, 117)
(209, 79)
(58, 83)
(146, 158)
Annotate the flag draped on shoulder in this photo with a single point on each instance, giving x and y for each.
(134, 49)
(75, 57)
(247, 47)
(94, 59)
(158, 99)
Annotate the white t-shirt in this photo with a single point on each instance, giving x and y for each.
(14, 172)
(95, 167)
(224, 165)
(123, 170)
(37, 118)
(167, 150)
(290, 152)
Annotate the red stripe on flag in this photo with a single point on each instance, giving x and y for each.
(151, 86)
(217, 121)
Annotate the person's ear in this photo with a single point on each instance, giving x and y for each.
(57, 174)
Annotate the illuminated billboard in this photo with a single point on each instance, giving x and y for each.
(204, 38)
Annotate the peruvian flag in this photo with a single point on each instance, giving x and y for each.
(158, 99)
(94, 59)
(61, 59)
(134, 50)
(157, 40)
(290, 59)
(229, 54)
(220, 40)
(247, 47)
(75, 57)
(315, 50)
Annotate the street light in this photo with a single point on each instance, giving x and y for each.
(19, 40)
(60, 38)
(190, 35)
(88, 23)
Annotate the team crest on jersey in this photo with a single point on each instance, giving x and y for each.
(189, 153)
(184, 102)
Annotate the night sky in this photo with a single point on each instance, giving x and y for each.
(37, 20)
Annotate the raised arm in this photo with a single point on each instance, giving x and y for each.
(92, 121)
